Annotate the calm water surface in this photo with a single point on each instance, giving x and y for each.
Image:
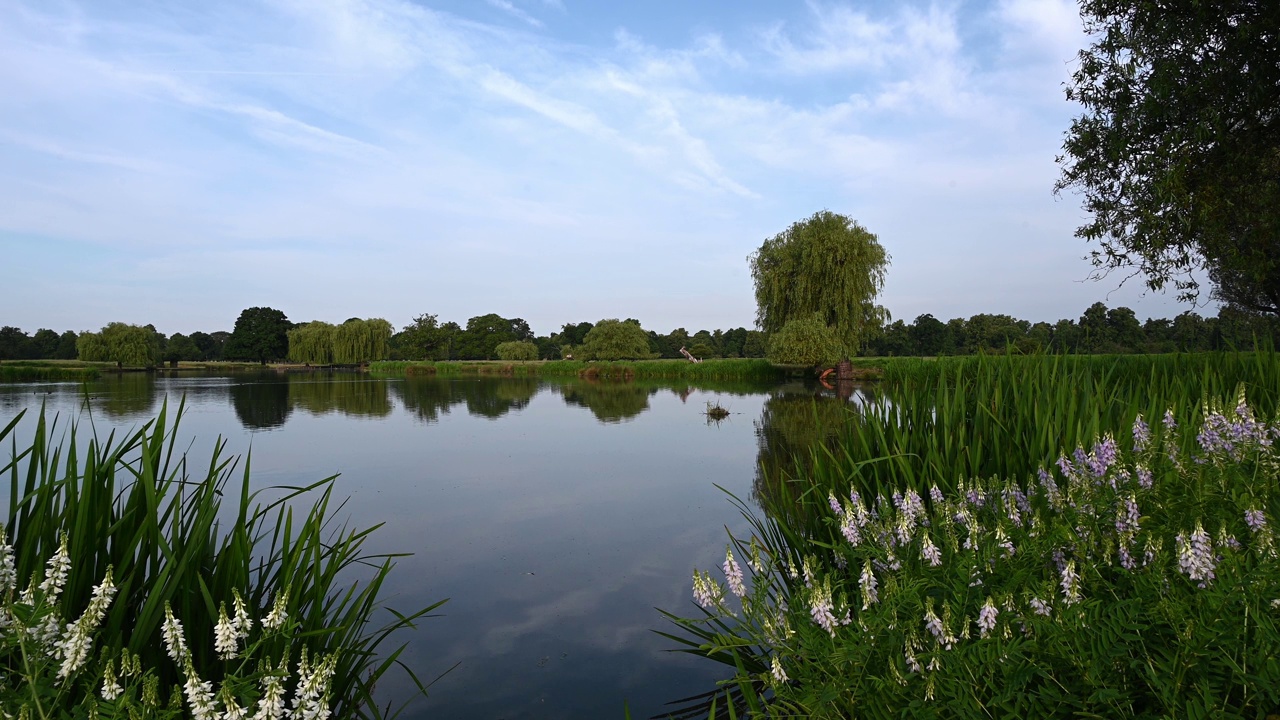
(554, 516)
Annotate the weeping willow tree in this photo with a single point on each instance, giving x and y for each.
(827, 264)
(359, 341)
(312, 343)
(123, 344)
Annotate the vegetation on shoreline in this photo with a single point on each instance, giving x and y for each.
(28, 371)
(1093, 535)
(747, 369)
(183, 608)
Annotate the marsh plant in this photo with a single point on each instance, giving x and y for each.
(126, 591)
(1137, 576)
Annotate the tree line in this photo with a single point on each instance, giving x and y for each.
(266, 335)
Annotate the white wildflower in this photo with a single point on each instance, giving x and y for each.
(279, 613)
(174, 642)
(733, 573)
(868, 580)
(779, 675)
(110, 685)
(241, 622)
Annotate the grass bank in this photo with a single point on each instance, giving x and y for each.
(47, 371)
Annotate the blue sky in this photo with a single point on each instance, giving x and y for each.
(175, 162)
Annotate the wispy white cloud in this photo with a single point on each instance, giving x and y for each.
(507, 7)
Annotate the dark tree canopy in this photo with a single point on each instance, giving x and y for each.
(1177, 154)
(826, 264)
(261, 334)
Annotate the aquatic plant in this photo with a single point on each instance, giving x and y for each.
(1135, 579)
(118, 567)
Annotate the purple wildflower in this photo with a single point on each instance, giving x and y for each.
(820, 609)
(1145, 479)
(935, 628)
(869, 594)
(733, 573)
(1102, 457)
(706, 592)
(987, 618)
(930, 553)
(1141, 434)
(835, 505)
(1127, 516)
(1169, 423)
(1255, 519)
(1065, 465)
(1195, 556)
(1039, 606)
(935, 494)
(1070, 582)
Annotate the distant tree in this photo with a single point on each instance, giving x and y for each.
(44, 344)
(928, 335)
(517, 350)
(615, 340)
(826, 264)
(705, 341)
(180, 347)
(261, 334)
(806, 341)
(122, 344)
(422, 339)
(484, 333)
(14, 343)
(311, 343)
(66, 349)
(701, 350)
(755, 345)
(1124, 330)
(1190, 332)
(733, 343)
(1177, 153)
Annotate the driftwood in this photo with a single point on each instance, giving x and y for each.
(688, 355)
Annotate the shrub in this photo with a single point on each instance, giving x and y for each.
(517, 350)
(805, 341)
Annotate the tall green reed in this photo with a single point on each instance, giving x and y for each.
(154, 515)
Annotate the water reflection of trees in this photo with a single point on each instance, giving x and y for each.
(125, 396)
(354, 394)
(428, 398)
(610, 402)
(798, 425)
(261, 402)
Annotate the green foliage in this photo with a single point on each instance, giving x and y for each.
(261, 334)
(121, 344)
(826, 264)
(132, 510)
(614, 340)
(181, 347)
(1177, 154)
(484, 333)
(806, 341)
(312, 343)
(846, 610)
(423, 339)
(360, 341)
(517, 350)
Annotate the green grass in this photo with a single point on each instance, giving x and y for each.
(141, 505)
(1144, 642)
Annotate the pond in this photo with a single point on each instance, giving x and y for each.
(554, 516)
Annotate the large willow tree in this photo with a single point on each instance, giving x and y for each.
(359, 341)
(123, 344)
(827, 264)
(312, 343)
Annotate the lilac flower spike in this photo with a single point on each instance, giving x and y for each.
(869, 594)
(1141, 434)
(1256, 520)
(987, 618)
(1195, 556)
(1169, 423)
(733, 573)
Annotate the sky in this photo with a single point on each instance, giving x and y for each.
(174, 162)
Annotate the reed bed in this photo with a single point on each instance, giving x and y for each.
(38, 372)
(137, 514)
(1016, 537)
(736, 369)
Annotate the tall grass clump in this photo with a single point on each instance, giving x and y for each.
(46, 372)
(736, 369)
(940, 422)
(1134, 579)
(126, 590)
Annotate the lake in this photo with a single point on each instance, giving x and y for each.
(555, 515)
